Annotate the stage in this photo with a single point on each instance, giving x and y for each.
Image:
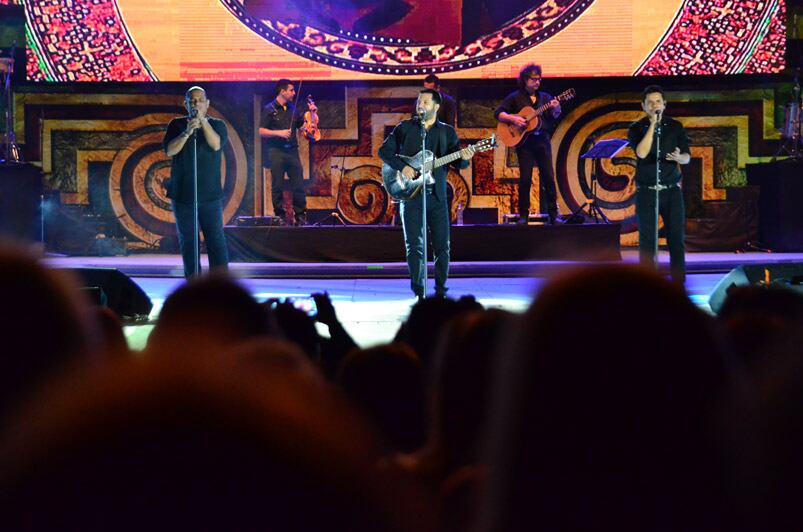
(382, 243)
(372, 299)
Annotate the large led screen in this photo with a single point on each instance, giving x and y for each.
(241, 40)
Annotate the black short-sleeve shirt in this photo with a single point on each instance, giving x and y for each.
(209, 160)
(673, 135)
(276, 117)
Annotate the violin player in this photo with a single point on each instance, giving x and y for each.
(279, 123)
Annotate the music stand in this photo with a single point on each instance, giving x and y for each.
(604, 149)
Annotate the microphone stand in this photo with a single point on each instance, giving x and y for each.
(658, 186)
(424, 197)
(12, 150)
(196, 244)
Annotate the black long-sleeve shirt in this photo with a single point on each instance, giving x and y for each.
(405, 139)
(673, 135)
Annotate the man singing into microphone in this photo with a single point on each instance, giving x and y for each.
(643, 136)
(210, 135)
(441, 139)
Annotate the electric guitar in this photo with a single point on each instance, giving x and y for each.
(401, 188)
(512, 135)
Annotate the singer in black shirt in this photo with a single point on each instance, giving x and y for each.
(674, 152)
(210, 135)
(441, 139)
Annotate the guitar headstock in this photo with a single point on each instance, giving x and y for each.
(486, 144)
(567, 95)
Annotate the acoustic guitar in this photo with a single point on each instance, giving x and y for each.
(512, 135)
(402, 188)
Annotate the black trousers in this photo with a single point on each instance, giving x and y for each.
(286, 162)
(438, 225)
(672, 210)
(210, 222)
(536, 150)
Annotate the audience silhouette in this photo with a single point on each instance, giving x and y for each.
(640, 413)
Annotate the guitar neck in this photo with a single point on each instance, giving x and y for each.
(562, 96)
(440, 161)
(446, 159)
(482, 145)
(541, 109)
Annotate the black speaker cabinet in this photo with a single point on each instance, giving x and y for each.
(20, 190)
(780, 203)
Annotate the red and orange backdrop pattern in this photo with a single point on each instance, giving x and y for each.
(240, 40)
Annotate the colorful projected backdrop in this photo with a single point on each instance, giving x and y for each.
(174, 40)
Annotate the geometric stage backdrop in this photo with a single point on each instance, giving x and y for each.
(101, 149)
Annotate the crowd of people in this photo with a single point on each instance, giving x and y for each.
(642, 413)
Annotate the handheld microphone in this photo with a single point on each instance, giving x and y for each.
(658, 115)
(421, 113)
(193, 115)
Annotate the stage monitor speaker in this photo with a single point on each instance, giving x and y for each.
(480, 216)
(790, 274)
(122, 295)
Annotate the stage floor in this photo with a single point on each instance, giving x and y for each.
(373, 299)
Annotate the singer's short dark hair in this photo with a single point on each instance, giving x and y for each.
(281, 85)
(650, 89)
(432, 78)
(436, 96)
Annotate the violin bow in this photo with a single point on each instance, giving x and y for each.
(295, 107)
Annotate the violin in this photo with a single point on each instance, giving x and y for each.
(311, 122)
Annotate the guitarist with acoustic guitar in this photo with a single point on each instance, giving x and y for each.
(535, 146)
(401, 146)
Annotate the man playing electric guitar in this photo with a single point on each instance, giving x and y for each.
(537, 146)
(441, 139)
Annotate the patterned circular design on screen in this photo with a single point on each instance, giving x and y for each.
(137, 185)
(394, 36)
